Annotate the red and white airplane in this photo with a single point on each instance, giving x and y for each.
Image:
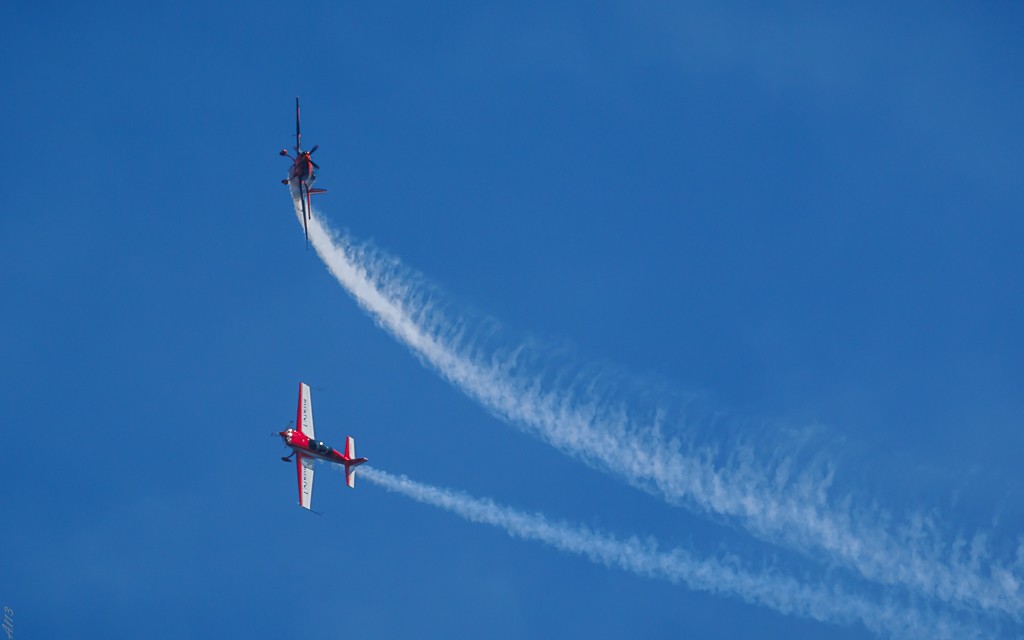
(302, 174)
(305, 447)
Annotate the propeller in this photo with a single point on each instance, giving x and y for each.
(315, 147)
(315, 165)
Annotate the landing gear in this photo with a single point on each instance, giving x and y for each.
(288, 458)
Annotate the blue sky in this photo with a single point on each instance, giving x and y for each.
(795, 228)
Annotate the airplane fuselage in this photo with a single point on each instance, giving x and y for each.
(302, 169)
(299, 443)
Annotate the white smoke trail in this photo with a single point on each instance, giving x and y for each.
(723, 576)
(770, 501)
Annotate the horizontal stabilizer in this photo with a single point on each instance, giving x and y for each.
(351, 462)
(350, 472)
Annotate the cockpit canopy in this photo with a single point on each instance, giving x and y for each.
(319, 447)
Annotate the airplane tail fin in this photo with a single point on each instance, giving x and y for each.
(351, 461)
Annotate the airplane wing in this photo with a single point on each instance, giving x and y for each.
(307, 206)
(298, 131)
(304, 421)
(305, 213)
(304, 466)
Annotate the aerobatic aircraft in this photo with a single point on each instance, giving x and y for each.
(302, 174)
(305, 447)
